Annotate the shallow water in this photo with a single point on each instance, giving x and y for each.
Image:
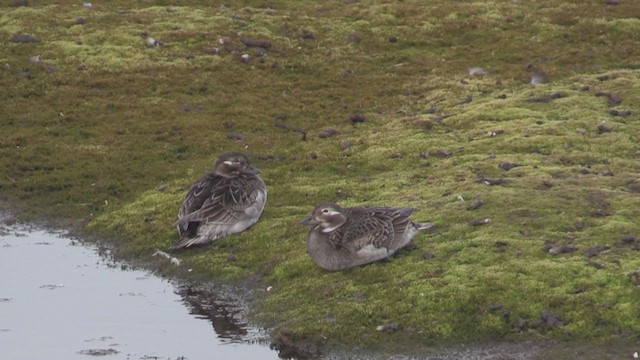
(62, 300)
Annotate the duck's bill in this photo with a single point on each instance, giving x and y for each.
(309, 221)
(252, 170)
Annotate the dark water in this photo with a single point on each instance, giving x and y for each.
(61, 300)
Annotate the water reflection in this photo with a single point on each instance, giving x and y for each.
(60, 300)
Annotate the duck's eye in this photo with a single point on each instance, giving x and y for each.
(325, 211)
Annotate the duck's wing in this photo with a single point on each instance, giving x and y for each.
(230, 201)
(375, 227)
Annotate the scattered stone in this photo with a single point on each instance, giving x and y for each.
(560, 249)
(546, 99)
(494, 133)
(427, 255)
(476, 71)
(24, 38)
(87, 5)
(600, 93)
(552, 320)
(232, 258)
(604, 127)
(411, 246)
(487, 181)
(479, 222)
(236, 137)
(224, 41)
(388, 327)
(600, 213)
(501, 96)
(506, 314)
(313, 155)
(547, 183)
(245, 58)
(307, 35)
(538, 78)
(615, 112)
(614, 99)
(327, 133)
(494, 307)
(507, 165)
(596, 264)
(98, 352)
(585, 88)
(438, 119)
(603, 77)
(431, 110)
(358, 118)
(466, 100)
(392, 39)
(80, 21)
(353, 38)
(424, 154)
(151, 42)
(345, 144)
(596, 250)
(475, 204)
(628, 240)
(501, 245)
(395, 156)
(163, 187)
(250, 42)
(635, 276)
(260, 52)
(147, 218)
(443, 153)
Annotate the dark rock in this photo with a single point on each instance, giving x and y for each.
(353, 38)
(427, 255)
(328, 133)
(615, 112)
(596, 264)
(628, 240)
(345, 144)
(438, 119)
(395, 156)
(494, 307)
(475, 204)
(495, 133)
(546, 99)
(487, 181)
(585, 88)
(236, 137)
(281, 116)
(443, 153)
(307, 35)
(232, 258)
(615, 99)
(596, 250)
(479, 222)
(392, 39)
(80, 21)
(24, 38)
(635, 277)
(466, 100)
(388, 327)
(147, 218)
(506, 314)
(431, 110)
(250, 42)
(358, 118)
(603, 127)
(508, 165)
(601, 93)
(501, 96)
(603, 77)
(552, 320)
(560, 249)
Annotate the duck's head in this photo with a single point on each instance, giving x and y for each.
(329, 217)
(232, 164)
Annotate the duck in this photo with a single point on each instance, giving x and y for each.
(228, 200)
(341, 238)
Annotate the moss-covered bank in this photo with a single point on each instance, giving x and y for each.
(117, 107)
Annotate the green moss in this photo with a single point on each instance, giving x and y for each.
(110, 130)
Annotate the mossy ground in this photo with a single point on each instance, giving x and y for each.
(107, 129)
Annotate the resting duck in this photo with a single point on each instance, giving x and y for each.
(226, 201)
(341, 238)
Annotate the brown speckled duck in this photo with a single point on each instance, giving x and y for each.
(341, 238)
(226, 201)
